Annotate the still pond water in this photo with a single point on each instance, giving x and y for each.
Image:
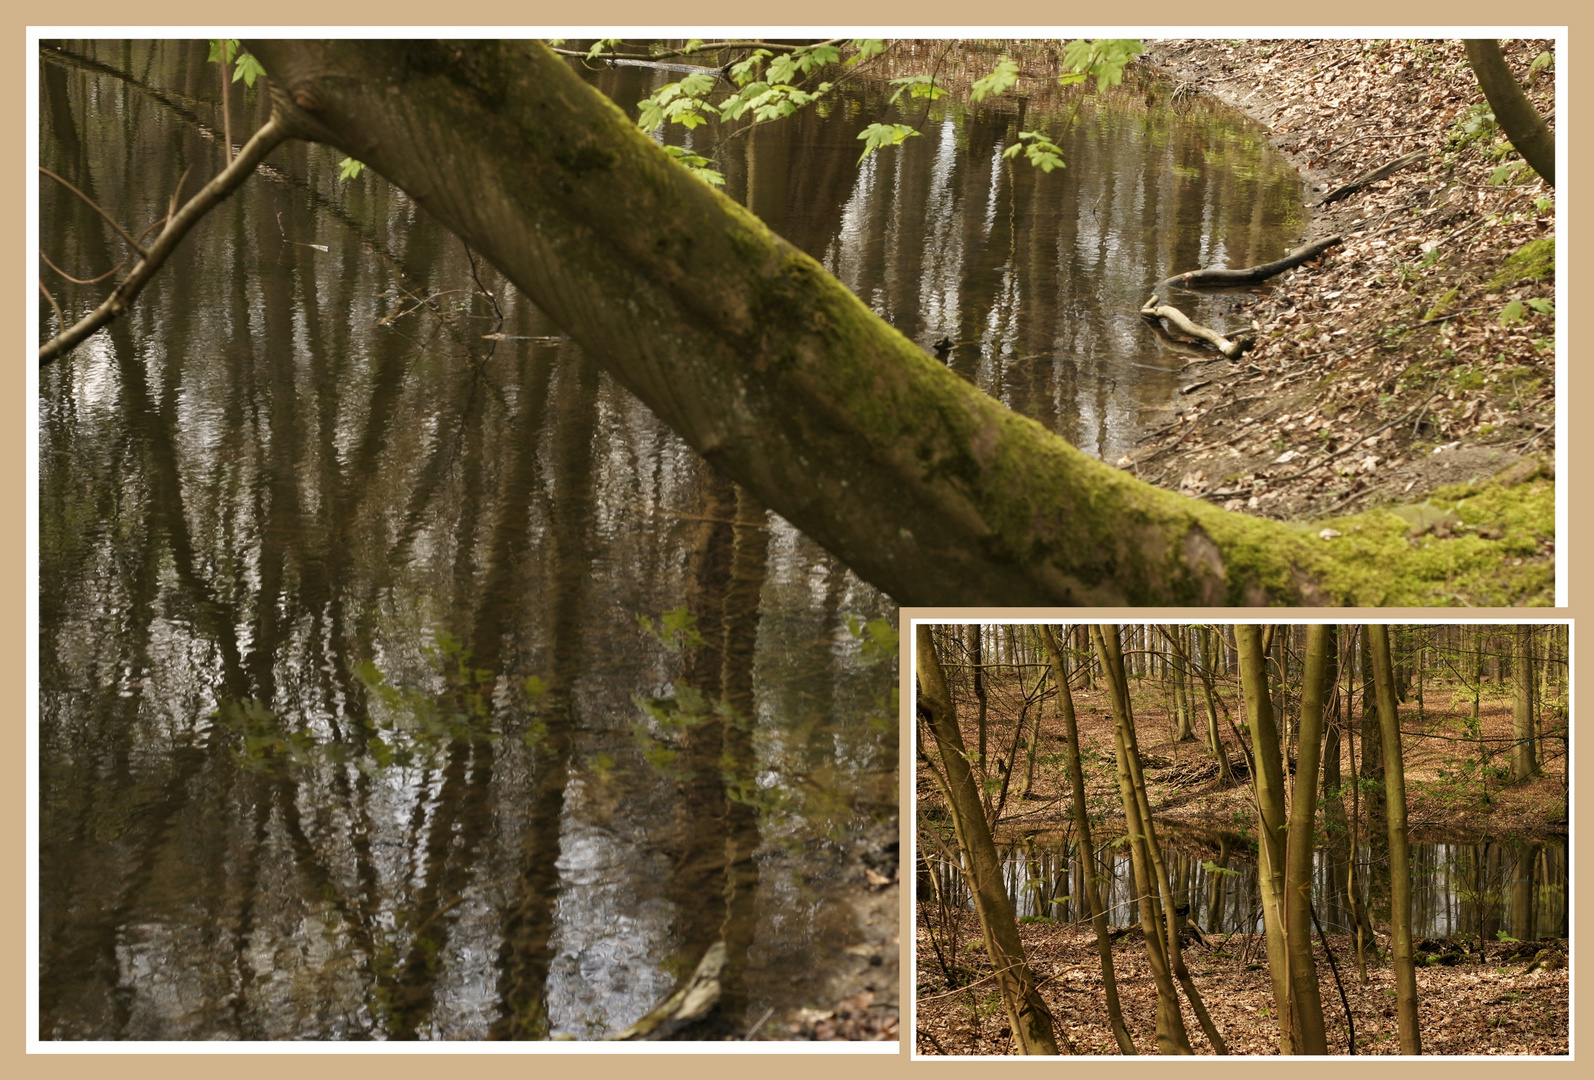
(1465, 890)
(402, 677)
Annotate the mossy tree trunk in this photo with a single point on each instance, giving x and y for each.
(763, 362)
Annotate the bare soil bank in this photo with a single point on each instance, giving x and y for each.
(1418, 355)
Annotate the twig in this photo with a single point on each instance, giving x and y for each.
(1469, 226)
(754, 1029)
(81, 281)
(270, 135)
(1351, 1049)
(1341, 453)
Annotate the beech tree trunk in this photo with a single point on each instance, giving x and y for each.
(1399, 848)
(1172, 1036)
(1513, 111)
(1027, 1014)
(1268, 778)
(1524, 761)
(761, 361)
(1306, 1006)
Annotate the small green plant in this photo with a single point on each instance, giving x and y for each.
(675, 629)
(231, 51)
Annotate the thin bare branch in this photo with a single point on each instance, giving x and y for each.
(59, 318)
(270, 135)
(80, 281)
(97, 208)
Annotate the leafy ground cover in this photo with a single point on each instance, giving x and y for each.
(1494, 1007)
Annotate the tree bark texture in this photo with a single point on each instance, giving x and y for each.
(1513, 111)
(1030, 1020)
(1399, 848)
(1268, 778)
(765, 364)
(1306, 1005)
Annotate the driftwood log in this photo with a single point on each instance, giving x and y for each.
(1374, 176)
(1155, 308)
(1249, 276)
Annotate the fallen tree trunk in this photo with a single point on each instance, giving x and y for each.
(1154, 308)
(1249, 276)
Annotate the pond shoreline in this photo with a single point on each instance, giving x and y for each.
(1395, 351)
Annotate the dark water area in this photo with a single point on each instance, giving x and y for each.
(350, 723)
(401, 676)
(1037, 277)
(1459, 890)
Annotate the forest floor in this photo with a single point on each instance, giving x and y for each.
(1492, 1007)
(1456, 790)
(1417, 358)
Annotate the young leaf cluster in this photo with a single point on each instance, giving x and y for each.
(231, 51)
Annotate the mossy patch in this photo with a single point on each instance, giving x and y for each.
(1533, 261)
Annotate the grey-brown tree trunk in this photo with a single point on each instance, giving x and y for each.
(1513, 111)
(1399, 848)
(1029, 1019)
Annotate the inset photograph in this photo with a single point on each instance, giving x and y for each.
(1242, 839)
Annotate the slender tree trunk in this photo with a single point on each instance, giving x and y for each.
(1086, 848)
(1172, 1038)
(1027, 1014)
(1268, 780)
(1399, 849)
(1306, 1007)
(982, 761)
(1372, 750)
(1524, 762)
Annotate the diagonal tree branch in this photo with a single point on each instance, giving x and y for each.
(270, 135)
